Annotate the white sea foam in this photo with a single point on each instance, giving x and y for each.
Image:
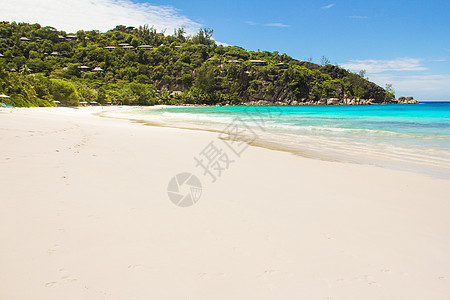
(394, 149)
(197, 117)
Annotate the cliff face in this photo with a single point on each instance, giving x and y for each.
(276, 89)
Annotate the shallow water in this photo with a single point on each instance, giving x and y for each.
(407, 137)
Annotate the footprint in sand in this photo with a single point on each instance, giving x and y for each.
(134, 266)
(51, 284)
(329, 237)
(214, 274)
(66, 279)
(54, 249)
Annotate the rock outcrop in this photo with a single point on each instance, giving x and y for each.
(334, 101)
(308, 84)
(406, 100)
(274, 89)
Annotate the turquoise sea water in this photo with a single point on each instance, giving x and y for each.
(407, 137)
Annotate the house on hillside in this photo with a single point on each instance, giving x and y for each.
(257, 62)
(24, 39)
(83, 69)
(97, 69)
(109, 47)
(145, 47)
(121, 45)
(71, 37)
(282, 65)
(128, 48)
(61, 38)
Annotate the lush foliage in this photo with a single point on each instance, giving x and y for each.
(42, 66)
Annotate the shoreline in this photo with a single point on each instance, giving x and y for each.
(86, 215)
(381, 160)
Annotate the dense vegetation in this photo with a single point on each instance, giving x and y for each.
(41, 66)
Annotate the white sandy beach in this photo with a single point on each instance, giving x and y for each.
(84, 214)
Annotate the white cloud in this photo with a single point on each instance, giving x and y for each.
(408, 75)
(438, 60)
(280, 25)
(358, 17)
(379, 66)
(103, 15)
(328, 6)
(422, 87)
(277, 25)
(222, 44)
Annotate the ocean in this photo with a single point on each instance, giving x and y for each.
(410, 137)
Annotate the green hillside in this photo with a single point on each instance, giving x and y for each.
(41, 66)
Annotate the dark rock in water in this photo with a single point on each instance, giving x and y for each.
(406, 100)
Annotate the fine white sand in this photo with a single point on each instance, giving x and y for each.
(84, 214)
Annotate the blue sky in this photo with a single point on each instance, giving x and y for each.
(406, 43)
